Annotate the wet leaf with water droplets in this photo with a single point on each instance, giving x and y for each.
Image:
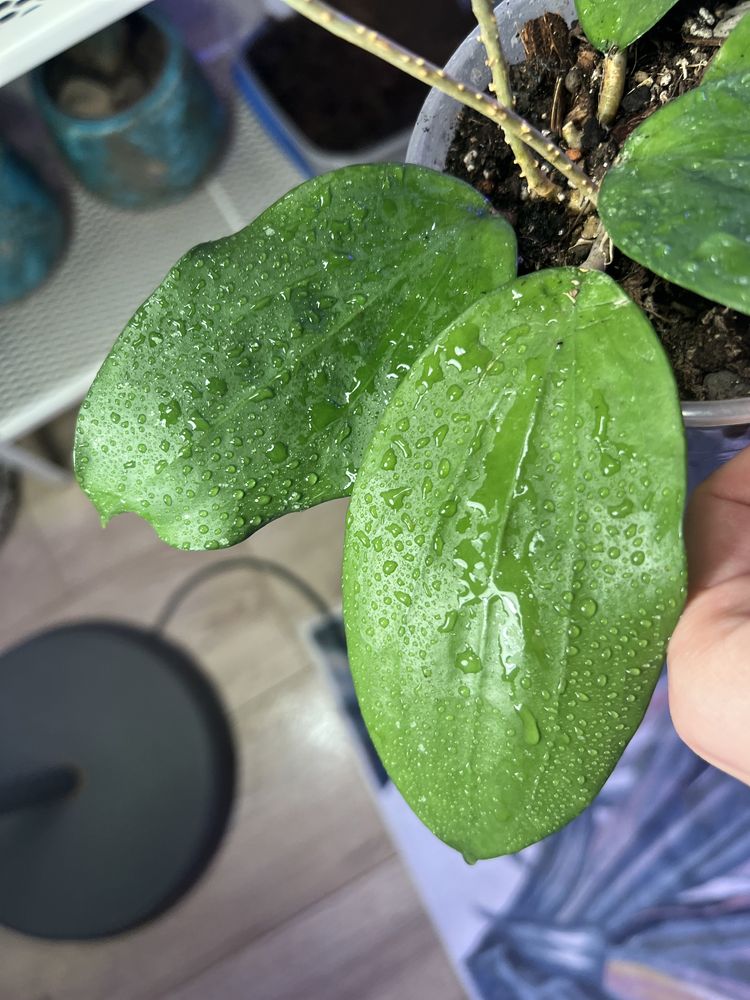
(734, 55)
(619, 22)
(529, 605)
(677, 200)
(267, 357)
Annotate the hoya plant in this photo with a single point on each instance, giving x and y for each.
(513, 564)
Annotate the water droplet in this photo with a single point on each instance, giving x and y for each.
(261, 393)
(622, 509)
(444, 468)
(529, 725)
(448, 509)
(588, 607)
(448, 623)
(197, 422)
(395, 498)
(389, 566)
(389, 460)
(467, 660)
(216, 386)
(405, 599)
(170, 413)
(439, 434)
(277, 452)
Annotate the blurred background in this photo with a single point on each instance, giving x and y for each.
(104, 187)
(189, 805)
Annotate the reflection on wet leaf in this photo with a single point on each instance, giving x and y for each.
(545, 567)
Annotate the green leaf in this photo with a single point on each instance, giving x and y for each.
(619, 22)
(734, 55)
(513, 563)
(677, 200)
(248, 385)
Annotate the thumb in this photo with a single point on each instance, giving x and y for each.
(709, 654)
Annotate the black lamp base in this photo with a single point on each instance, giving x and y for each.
(116, 780)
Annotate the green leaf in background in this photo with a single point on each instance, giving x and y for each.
(677, 200)
(514, 564)
(248, 385)
(619, 22)
(734, 55)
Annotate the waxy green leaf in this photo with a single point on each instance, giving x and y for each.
(514, 563)
(734, 55)
(619, 23)
(250, 382)
(677, 200)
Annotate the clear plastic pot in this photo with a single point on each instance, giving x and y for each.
(715, 430)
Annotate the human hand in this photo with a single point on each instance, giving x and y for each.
(709, 654)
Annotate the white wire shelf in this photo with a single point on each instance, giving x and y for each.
(33, 31)
(53, 341)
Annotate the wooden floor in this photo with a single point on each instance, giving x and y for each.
(306, 898)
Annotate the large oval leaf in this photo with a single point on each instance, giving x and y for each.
(677, 200)
(619, 22)
(513, 563)
(250, 382)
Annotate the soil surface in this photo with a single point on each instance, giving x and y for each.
(341, 97)
(557, 90)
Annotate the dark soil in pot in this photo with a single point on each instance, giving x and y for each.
(341, 97)
(557, 89)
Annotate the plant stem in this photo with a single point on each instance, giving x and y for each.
(538, 182)
(435, 77)
(612, 86)
(600, 255)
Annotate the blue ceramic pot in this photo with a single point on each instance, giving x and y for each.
(32, 229)
(153, 152)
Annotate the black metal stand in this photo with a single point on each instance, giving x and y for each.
(40, 789)
(116, 780)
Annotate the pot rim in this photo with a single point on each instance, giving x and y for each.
(695, 413)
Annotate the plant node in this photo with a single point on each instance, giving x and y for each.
(539, 184)
(376, 44)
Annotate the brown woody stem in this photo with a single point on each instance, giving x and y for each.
(538, 182)
(433, 76)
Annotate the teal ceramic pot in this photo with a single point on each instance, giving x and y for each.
(155, 151)
(32, 228)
